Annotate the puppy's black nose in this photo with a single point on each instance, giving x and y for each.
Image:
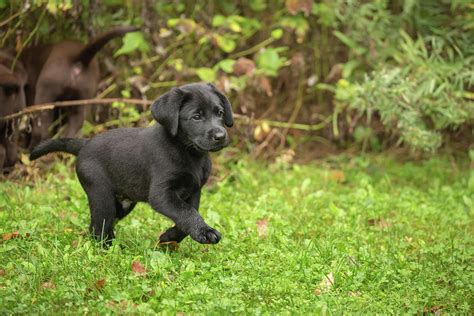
(219, 135)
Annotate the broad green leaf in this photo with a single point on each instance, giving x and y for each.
(269, 62)
(277, 34)
(206, 74)
(225, 43)
(258, 5)
(172, 22)
(132, 42)
(226, 65)
(234, 26)
(218, 20)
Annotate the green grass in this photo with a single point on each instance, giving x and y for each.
(395, 237)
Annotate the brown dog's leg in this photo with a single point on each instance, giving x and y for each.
(40, 128)
(3, 155)
(11, 152)
(75, 119)
(45, 93)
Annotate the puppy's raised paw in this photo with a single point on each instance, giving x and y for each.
(206, 235)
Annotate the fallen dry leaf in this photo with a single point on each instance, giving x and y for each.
(261, 131)
(2, 272)
(123, 304)
(433, 310)
(99, 284)
(25, 159)
(335, 74)
(244, 66)
(262, 228)
(353, 294)
(15, 234)
(326, 283)
(295, 6)
(378, 222)
(138, 268)
(264, 84)
(337, 175)
(9, 236)
(48, 285)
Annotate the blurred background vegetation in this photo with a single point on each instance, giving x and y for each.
(307, 76)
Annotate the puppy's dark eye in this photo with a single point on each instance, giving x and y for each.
(197, 117)
(220, 113)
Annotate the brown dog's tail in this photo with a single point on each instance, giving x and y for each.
(67, 145)
(88, 52)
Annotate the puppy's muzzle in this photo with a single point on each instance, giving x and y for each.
(218, 139)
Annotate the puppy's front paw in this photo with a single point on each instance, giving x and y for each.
(206, 235)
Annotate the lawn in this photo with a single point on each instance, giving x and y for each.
(365, 235)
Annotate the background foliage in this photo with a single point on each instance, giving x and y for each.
(373, 73)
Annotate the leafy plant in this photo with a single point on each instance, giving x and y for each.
(422, 96)
(133, 42)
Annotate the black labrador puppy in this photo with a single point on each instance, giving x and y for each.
(165, 165)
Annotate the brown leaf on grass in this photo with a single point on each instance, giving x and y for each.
(325, 284)
(48, 285)
(2, 272)
(15, 234)
(244, 66)
(378, 222)
(138, 268)
(437, 310)
(99, 284)
(262, 228)
(295, 6)
(337, 175)
(9, 236)
(122, 305)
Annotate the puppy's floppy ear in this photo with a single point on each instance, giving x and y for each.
(228, 116)
(165, 109)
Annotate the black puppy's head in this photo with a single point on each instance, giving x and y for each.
(197, 114)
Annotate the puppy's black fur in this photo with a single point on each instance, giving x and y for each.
(165, 165)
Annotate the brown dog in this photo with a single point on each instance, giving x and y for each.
(61, 72)
(12, 99)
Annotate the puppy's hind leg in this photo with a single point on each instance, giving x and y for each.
(103, 214)
(101, 203)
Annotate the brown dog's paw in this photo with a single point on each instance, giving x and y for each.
(206, 235)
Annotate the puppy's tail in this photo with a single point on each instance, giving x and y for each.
(87, 53)
(67, 145)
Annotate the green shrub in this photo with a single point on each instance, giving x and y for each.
(418, 84)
